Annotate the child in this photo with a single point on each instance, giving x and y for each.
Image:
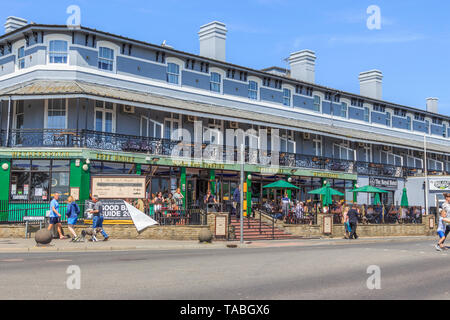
(443, 221)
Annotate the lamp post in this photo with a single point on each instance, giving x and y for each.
(426, 173)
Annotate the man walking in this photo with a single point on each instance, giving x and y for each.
(55, 216)
(237, 201)
(353, 220)
(97, 221)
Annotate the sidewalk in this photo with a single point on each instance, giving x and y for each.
(29, 245)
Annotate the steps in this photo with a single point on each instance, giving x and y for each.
(253, 230)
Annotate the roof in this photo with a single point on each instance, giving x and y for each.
(263, 73)
(71, 87)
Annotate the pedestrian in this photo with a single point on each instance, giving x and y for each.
(237, 201)
(345, 221)
(55, 216)
(97, 221)
(353, 221)
(140, 205)
(441, 230)
(446, 208)
(178, 197)
(285, 205)
(72, 216)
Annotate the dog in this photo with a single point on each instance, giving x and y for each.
(89, 232)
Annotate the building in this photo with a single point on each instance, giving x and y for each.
(78, 102)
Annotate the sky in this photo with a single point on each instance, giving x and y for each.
(411, 46)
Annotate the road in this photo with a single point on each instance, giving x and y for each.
(409, 270)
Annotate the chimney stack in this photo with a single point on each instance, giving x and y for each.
(303, 65)
(212, 38)
(371, 84)
(14, 23)
(432, 105)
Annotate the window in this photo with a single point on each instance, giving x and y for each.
(56, 114)
(287, 97)
(437, 121)
(388, 119)
(215, 82)
(58, 51)
(171, 126)
(357, 102)
(343, 110)
(379, 108)
(253, 90)
(343, 152)
(317, 144)
(366, 114)
(106, 59)
(105, 117)
(400, 113)
(390, 158)
(38, 180)
(21, 57)
(173, 73)
(317, 103)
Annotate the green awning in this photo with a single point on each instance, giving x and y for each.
(280, 184)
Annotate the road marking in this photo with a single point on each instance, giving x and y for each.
(12, 260)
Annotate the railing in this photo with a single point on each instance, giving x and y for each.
(154, 146)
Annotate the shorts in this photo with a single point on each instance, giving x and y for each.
(55, 220)
(72, 221)
(441, 234)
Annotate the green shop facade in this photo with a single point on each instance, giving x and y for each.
(29, 177)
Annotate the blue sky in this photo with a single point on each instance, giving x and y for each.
(411, 48)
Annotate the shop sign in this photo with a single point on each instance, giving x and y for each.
(118, 187)
(383, 182)
(440, 185)
(36, 154)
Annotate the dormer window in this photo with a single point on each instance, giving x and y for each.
(106, 59)
(58, 51)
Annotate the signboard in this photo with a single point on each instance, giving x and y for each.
(221, 226)
(440, 184)
(114, 187)
(383, 182)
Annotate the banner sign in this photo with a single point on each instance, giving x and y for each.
(113, 187)
(383, 182)
(119, 211)
(440, 185)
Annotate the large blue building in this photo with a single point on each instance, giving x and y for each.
(78, 102)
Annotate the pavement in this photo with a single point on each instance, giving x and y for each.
(406, 268)
(29, 245)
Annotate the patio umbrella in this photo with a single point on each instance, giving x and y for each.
(327, 192)
(377, 201)
(404, 202)
(369, 189)
(280, 184)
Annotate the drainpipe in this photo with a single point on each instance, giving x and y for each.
(7, 124)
